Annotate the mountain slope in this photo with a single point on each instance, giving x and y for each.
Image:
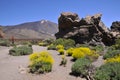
(40, 30)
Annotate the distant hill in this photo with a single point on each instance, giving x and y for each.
(32, 30)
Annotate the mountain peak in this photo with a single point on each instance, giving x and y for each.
(38, 29)
(43, 21)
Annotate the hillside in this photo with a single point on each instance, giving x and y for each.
(39, 30)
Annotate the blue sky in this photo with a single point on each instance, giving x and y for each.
(14, 12)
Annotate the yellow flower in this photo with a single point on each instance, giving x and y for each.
(114, 59)
(43, 56)
(77, 53)
(85, 50)
(61, 51)
(59, 47)
(33, 56)
(70, 51)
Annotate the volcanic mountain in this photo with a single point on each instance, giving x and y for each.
(32, 30)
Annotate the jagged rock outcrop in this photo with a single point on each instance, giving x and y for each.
(89, 30)
(115, 29)
(115, 26)
(68, 20)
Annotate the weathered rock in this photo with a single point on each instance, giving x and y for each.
(115, 29)
(68, 20)
(89, 30)
(115, 26)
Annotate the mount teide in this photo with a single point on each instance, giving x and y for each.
(32, 30)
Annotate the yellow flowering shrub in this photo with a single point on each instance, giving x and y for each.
(69, 52)
(33, 56)
(84, 52)
(61, 51)
(59, 47)
(41, 62)
(114, 59)
(77, 53)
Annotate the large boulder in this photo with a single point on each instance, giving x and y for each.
(89, 30)
(68, 20)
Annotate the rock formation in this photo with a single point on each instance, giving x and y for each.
(89, 30)
(116, 26)
(115, 29)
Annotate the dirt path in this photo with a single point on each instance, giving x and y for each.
(99, 62)
(14, 67)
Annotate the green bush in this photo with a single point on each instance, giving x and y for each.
(4, 42)
(81, 67)
(98, 48)
(51, 47)
(108, 71)
(41, 62)
(40, 67)
(117, 44)
(111, 53)
(82, 45)
(22, 50)
(67, 43)
(48, 41)
(35, 42)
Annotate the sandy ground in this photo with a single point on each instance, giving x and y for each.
(15, 67)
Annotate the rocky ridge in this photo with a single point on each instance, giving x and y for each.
(89, 30)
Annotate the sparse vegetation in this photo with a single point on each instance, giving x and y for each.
(111, 53)
(108, 71)
(63, 61)
(21, 50)
(67, 43)
(41, 62)
(51, 47)
(4, 42)
(46, 42)
(81, 67)
(98, 48)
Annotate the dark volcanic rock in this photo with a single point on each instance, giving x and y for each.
(68, 20)
(87, 30)
(115, 29)
(115, 26)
